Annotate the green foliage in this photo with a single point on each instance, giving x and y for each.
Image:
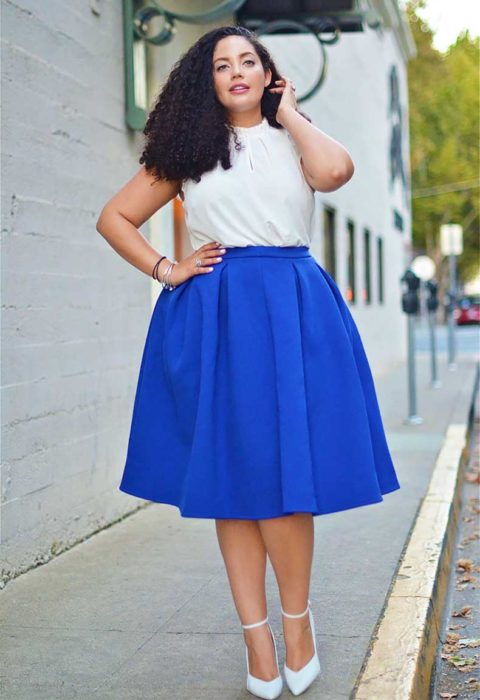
(444, 138)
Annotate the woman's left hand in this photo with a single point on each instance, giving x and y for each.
(286, 88)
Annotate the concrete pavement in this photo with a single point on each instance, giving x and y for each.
(143, 609)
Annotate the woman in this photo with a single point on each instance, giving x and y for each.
(255, 403)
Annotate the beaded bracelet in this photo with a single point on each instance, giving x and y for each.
(165, 280)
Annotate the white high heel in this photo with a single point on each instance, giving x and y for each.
(298, 681)
(257, 686)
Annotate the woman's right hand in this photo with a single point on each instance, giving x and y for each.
(209, 254)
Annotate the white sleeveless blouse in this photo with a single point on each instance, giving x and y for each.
(263, 199)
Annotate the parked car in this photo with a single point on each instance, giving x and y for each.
(467, 310)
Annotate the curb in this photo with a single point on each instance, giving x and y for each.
(402, 651)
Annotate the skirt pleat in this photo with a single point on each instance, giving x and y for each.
(255, 398)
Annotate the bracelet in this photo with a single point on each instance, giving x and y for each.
(154, 271)
(167, 276)
(165, 279)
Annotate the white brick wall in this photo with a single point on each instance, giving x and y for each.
(74, 313)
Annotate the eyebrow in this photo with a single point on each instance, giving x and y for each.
(226, 59)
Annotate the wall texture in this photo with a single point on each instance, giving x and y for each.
(74, 312)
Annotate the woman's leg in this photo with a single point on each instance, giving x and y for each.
(245, 558)
(289, 542)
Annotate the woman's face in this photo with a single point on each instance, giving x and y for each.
(236, 61)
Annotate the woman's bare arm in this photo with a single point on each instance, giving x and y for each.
(130, 208)
(327, 165)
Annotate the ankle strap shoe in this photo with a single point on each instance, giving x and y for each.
(257, 686)
(299, 681)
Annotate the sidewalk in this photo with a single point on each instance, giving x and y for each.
(144, 610)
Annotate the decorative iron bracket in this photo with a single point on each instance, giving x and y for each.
(136, 21)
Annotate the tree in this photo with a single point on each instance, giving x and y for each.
(444, 131)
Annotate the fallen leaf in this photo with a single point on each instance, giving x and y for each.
(472, 477)
(452, 638)
(465, 564)
(468, 642)
(461, 661)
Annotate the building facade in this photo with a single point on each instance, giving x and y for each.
(75, 314)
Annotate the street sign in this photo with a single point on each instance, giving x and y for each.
(451, 239)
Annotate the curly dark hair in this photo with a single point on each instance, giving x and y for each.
(187, 131)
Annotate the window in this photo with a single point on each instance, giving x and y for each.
(380, 269)
(329, 254)
(351, 258)
(367, 286)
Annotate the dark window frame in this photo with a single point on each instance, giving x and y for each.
(351, 262)
(367, 266)
(380, 270)
(329, 239)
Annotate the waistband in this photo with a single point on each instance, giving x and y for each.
(267, 251)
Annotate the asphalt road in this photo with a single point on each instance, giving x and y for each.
(467, 338)
(458, 653)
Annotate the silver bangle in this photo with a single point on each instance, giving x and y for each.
(166, 277)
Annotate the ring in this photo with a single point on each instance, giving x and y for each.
(198, 262)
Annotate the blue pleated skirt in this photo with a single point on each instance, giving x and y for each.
(255, 398)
